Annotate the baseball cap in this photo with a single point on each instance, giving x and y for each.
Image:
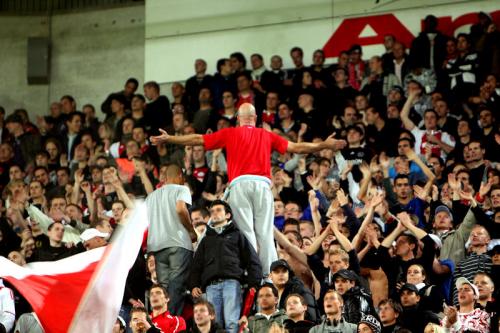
(280, 263)
(346, 274)
(409, 287)
(91, 233)
(461, 281)
(443, 208)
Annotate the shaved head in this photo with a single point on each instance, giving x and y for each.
(247, 115)
(174, 174)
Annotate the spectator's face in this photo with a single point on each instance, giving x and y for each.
(402, 188)
(442, 109)
(36, 190)
(177, 89)
(297, 58)
(412, 86)
(403, 147)
(375, 64)
(42, 176)
(279, 276)
(243, 83)
(228, 100)
(306, 79)
(465, 294)
(343, 60)
(476, 152)
(292, 210)
(486, 119)
(409, 298)
(236, 65)
(67, 106)
(306, 230)
(87, 141)
(343, 285)
(201, 315)
(117, 209)
(133, 149)
(340, 76)
(178, 122)
(485, 286)
(150, 92)
(130, 89)
(463, 128)
(387, 314)
(292, 238)
(318, 58)
(430, 120)
(355, 56)
(157, 298)
(294, 307)
(495, 198)
(204, 96)
(55, 109)
(272, 101)
(139, 135)
(62, 178)
(350, 116)
(136, 322)
(137, 104)
(370, 116)
(414, 275)
(75, 125)
(197, 217)
(361, 102)
(394, 96)
(218, 214)
(73, 213)
(389, 43)
(200, 66)
(17, 258)
(256, 62)
(336, 263)
(279, 208)
(479, 237)
(284, 112)
(96, 174)
(403, 246)
(81, 153)
(436, 166)
(56, 233)
(451, 47)
(332, 304)
(392, 112)
(89, 112)
(266, 299)
(398, 51)
(6, 152)
(58, 204)
(276, 63)
(353, 137)
(462, 44)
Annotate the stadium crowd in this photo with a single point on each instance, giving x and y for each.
(391, 224)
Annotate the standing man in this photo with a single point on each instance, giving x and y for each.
(171, 235)
(248, 151)
(223, 262)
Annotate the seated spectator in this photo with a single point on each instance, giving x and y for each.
(267, 302)
(369, 324)
(160, 316)
(140, 322)
(296, 308)
(204, 318)
(389, 312)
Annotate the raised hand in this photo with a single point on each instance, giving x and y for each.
(334, 143)
(342, 198)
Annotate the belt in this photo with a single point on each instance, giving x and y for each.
(216, 281)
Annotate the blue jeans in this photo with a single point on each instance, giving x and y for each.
(172, 272)
(226, 298)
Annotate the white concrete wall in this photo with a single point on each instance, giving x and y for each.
(178, 32)
(92, 54)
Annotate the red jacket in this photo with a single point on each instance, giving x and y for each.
(168, 323)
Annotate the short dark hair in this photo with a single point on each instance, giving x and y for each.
(69, 98)
(227, 208)
(203, 302)
(297, 49)
(401, 176)
(270, 286)
(411, 142)
(258, 55)
(52, 225)
(297, 236)
(141, 97)
(159, 286)
(152, 84)
(221, 63)
(41, 168)
(139, 309)
(240, 57)
(247, 75)
(132, 80)
(300, 297)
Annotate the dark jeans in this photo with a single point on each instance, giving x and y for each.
(172, 272)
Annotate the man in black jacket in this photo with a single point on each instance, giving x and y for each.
(223, 262)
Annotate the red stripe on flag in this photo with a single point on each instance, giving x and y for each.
(62, 293)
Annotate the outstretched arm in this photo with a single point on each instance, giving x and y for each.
(405, 112)
(311, 147)
(184, 140)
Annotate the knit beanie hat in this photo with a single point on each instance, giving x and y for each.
(372, 322)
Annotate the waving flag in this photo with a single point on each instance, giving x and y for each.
(82, 293)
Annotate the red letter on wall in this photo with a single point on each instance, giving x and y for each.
(349, 30)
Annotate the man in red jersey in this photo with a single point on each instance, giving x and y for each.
(248, 150)
(160, 316)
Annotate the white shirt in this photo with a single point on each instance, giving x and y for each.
(7, 308)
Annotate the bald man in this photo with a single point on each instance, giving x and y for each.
(248, 150)
(170, 235)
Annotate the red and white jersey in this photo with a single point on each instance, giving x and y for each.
(476, 320)
(168, 323)
(421, 142)
(7, 308)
